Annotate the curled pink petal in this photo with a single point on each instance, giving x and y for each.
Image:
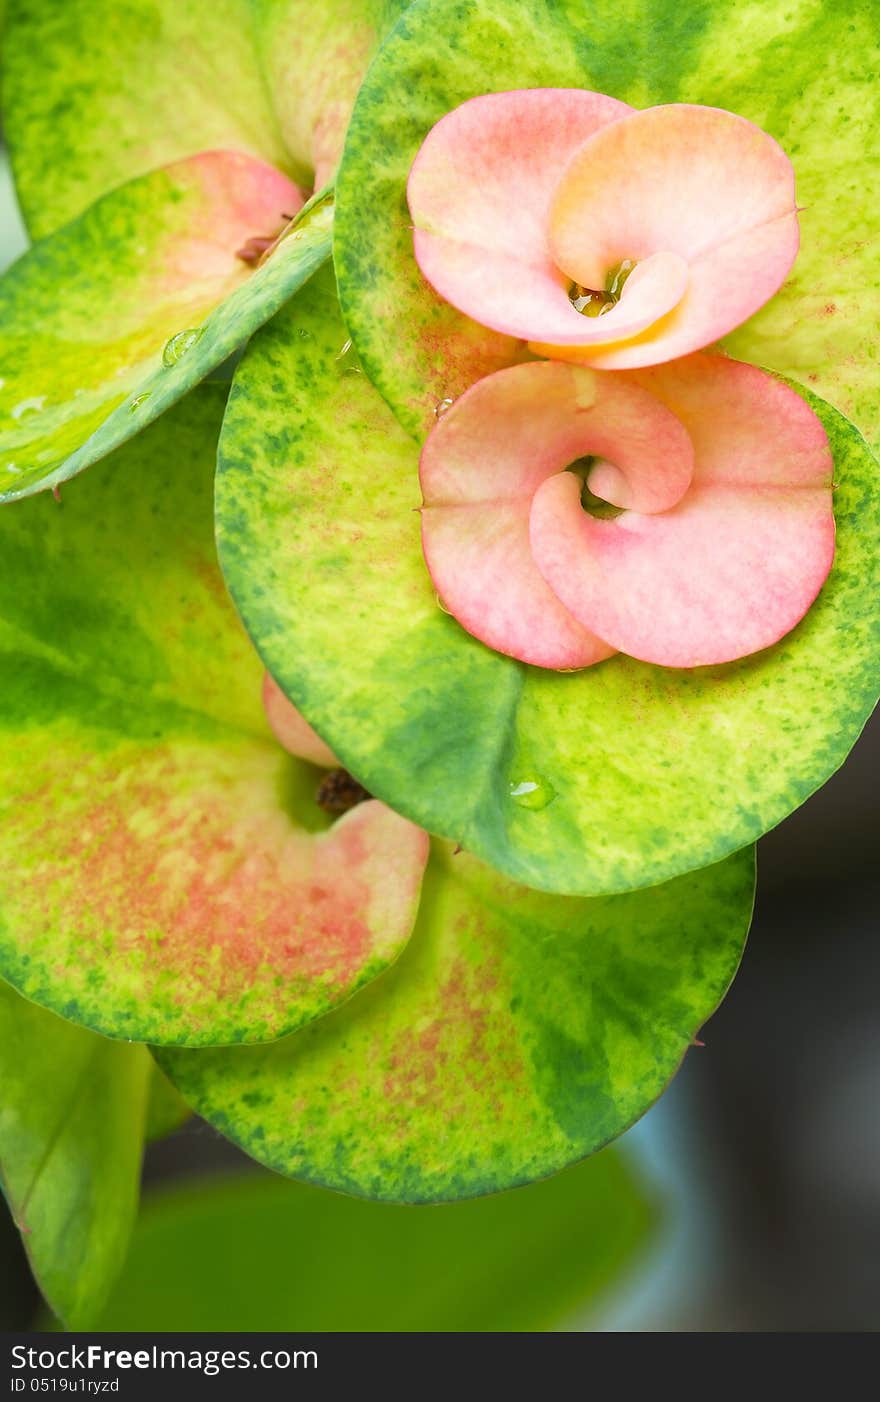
(483, 463)
(731, 568)
(292, 730)
(696, 182)
(479, 193)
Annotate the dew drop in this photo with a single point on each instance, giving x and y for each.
(440, 604)
(534, 794)
(28, 406)
(589, 302)
(616, 279)
(347, 361)
(441, 406)
(138, 400)
(13, 467)
(178, 346)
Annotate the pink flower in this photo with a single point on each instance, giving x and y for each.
(667, 227)
(724, 537)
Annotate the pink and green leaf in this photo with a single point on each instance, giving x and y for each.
(313, 57)
(802, 72)
(166, 874)
(71, 1137)
(616, 777)
(111, 320)
(97, 92)
(518, 1033)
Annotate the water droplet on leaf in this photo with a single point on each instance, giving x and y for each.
(441, 406)
(138, 400)
(29, 406)
(534, 794)
(178, 346)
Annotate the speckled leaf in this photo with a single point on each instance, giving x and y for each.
(313, 57)
(165, 873)
(804, 71)
(604, 780)
(71, 1134)
(526, 1260)
(517, 1033)
(99, 91)
(96, 92)
(107, 323)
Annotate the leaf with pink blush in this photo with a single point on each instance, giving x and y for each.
(166, 873)
(97, 92)
(517, 1033)
(481, 467)
(158, 290)
(616, 776)
(313, 57)
(756, 61)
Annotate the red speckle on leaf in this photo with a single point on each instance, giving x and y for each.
(466, 1047)
(201, 897)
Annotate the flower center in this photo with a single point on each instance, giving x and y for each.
(338, 792)
(590, 302)
(593, 505)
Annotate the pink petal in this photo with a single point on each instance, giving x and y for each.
(736, 564)
(696, 182)
(292, 730)
(479, 193)
(482, 464)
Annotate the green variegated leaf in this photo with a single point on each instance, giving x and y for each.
(526, 1260)
(804, 71)
(165, 873)
(611, 778)
(517, 1033)
(99, 91)
(71, 1135)
(313, 57)
(111, 320)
